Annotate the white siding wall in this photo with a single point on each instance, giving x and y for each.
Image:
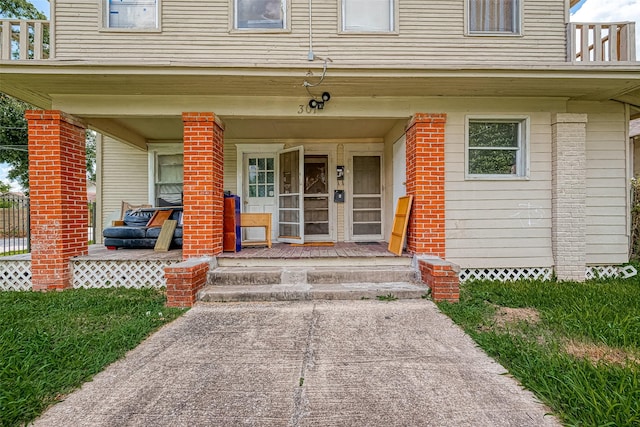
(124, 178)
(607, 237)
(198, 30)
(499, 223)
(230, 175)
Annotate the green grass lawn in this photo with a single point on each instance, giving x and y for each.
(575, 345)
(50, 343)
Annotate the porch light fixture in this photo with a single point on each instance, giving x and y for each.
(314, 103)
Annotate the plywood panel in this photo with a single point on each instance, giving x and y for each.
(400, 223)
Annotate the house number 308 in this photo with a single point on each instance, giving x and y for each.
(306, 109)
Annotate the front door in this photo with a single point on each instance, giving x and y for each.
(365, 197)
(260, 190)
(291, 195)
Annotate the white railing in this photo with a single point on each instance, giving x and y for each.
(602, 42)
(22, 39)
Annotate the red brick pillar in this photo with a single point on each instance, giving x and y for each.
(425, 181)
(184, 280)
(58, 191)
(203, 179)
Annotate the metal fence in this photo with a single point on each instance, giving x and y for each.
(15, 227)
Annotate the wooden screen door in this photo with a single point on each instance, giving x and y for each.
(366, 198)
(291, 195)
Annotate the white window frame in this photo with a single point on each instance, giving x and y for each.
(106, 14)
(393, 20)
(284, 19)
(155, 150)
(518, 17)
(522, 151)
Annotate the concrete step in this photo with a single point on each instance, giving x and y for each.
(271, 275)
(331, 261)
(300, 292)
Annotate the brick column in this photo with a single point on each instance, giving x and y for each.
(569, 194)
(425, 181)
(58, 192)
(203, 179)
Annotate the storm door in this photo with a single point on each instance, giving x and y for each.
(316, 198)
(366, 199)
(291, 195)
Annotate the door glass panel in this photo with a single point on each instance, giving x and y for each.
(366, 202)
(367, 216)
(261, 172)
(367, 229)
(366, 174)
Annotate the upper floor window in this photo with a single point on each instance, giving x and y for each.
(134, 14)
(496, 147)
(368, 15)
(493, 17)
(260, 14)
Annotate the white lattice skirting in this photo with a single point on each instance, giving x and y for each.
(119, 273)
(610, 271)
(15, 275)
(506, 274)
(544, 273)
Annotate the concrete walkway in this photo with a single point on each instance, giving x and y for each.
(307, 363)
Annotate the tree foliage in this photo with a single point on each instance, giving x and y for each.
(19, 9)
(14, 138)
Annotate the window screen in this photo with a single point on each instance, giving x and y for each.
(264, 14)
(367, 15)
(132, 14)
(494, 16)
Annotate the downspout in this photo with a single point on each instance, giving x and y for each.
(310, 55)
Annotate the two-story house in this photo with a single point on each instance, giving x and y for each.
(506, 123)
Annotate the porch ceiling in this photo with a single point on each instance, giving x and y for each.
(170, 128)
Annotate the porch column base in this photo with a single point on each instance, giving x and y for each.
(442, 277)
(184, 281)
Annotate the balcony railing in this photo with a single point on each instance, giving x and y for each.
(603, 42)
(24, 39)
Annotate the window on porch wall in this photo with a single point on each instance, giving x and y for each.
(494, 16)
(169, 179)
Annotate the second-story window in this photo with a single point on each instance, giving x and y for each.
(135, 14)
(368, 15)
(260, 14)
(500, 17)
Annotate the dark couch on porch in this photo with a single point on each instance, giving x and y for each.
(134, 231)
